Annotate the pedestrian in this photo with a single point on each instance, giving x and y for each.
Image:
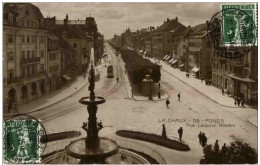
(216, 146)
(164, 131)
(200, 138)
(117, 79)
(203, 139)
(180, 132)
(224, 149)
(235, 101)
(167, 103)
(159, 95)
(201, 80)
(179, 96)
(159, 86)
(242, 103)
(238, 101)
(222, 91)
(84, 75)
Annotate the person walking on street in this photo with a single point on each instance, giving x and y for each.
(180, 132)
(235, 101)
(216, 146)
(164, 131)
(179, 96)
(117, 79)
(167, 103)
(200, 138)
(242, 103)
(159, 95)
(203, 139)
(159, 86)
(222, 91)
(238, 102)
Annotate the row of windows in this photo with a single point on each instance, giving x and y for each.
(24, 39)
(53, 56)
(223, 67)
(195, 44)
(29, 70)
(29, 54)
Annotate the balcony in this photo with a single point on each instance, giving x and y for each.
(30, 60)
(11, 80)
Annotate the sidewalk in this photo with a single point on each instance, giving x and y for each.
(129, 89)
(51, 98)
(209, 91)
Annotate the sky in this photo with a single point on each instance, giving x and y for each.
(114, 18)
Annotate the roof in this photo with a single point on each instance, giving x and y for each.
(149, 36)
(198, 34)
(169, 25)
(179, 30)
(16, 7)
(64, 45)
(52, 37)
(70, 32)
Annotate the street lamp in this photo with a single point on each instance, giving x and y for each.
(132, 81)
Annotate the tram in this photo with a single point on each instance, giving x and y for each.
(110, 73)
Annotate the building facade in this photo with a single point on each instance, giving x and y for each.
(24, 53)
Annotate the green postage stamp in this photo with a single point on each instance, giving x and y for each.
(238, 24)
(21, 141)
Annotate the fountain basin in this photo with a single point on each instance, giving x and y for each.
(87, 101)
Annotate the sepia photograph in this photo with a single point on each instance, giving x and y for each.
(129, 82)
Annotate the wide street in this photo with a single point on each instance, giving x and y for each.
(119, 112)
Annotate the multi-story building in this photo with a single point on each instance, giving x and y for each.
(181, 54)
(82, 35)
(238, 76)
(200, 52)
(162, 38)
(149, 44)
(24, 53)
(53, 63)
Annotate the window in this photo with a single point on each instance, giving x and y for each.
(28, 39)
(42, 53)
(10, 39)
(10, 56)
(32, 53)
(33, 69)
(23, 55)
(22, 22)
(75, 45)
(23, 38)
(42, 40)
(28, 54)
(10, 74)
(42, 67)
(23, 71)
(33, 39)
(28, 71)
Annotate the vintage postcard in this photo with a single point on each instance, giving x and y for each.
(130, 83)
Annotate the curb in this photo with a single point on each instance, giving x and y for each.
(39, 109)
(198, 90)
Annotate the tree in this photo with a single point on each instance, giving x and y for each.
(237, 153)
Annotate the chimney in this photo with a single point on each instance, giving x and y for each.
(189, 26)
(168, 19)
(66, 20)
(176, 19)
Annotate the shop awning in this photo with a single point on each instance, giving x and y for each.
(182, 65)
(145, 52)
(166, 56)
(195, 69)
(171, 60)
(141, 51)
(66, 77)
(175, 61)
(241, 79)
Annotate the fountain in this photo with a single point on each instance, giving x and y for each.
(92, 148)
